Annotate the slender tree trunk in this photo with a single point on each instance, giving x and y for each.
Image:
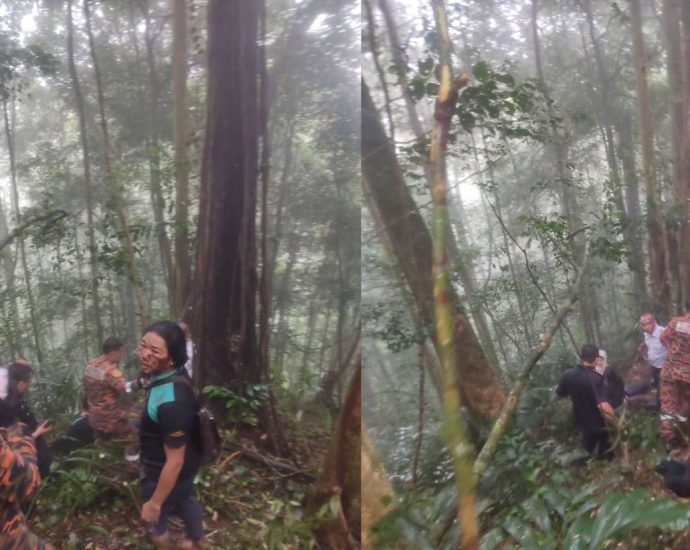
(84, 316)
(20, 239)
(457, 441)
(116, 194)
(181, 131)
(88, 186)
(671, 25)
(154, 155)
(463, 266)
(658, 241)
(626, 151)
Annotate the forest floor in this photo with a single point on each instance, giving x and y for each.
(250, 500)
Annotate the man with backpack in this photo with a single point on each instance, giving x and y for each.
(591, 408)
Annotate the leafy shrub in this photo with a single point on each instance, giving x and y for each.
(240, 408)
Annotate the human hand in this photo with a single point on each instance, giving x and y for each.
(150, 512)
(43, 428)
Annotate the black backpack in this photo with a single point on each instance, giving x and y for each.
(614, 387)
(205, 435)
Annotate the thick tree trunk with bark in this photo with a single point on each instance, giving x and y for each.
(411, 242)
(225, 276)
(341, 477)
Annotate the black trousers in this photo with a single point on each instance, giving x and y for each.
(598, 441)
(656, 373)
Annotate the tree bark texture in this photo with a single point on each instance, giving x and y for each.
(342, 475)
(225, 275)
(411, 243)
(656, 225)
(181, 136)
(88, 185)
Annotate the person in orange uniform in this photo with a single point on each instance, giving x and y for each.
(103, 384)
(19, 476)
(675, 380)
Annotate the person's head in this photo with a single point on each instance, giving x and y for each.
(589, 354)
(162, 347)
(20, 377)
(185, 328)
(113, 349)
(647, 322)
(603, 359)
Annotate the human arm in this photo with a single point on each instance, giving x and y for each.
(175, 419)
(43, 428)
(174, 460)
(116, 380)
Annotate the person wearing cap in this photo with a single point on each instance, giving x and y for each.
(585, 387)
(675, 381)
(652, 349)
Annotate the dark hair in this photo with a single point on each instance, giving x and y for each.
(112, 344)
(589, 352)
(174, 340)
(19, 372)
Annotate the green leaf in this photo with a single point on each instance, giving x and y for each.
(537, 511)
(481, 71)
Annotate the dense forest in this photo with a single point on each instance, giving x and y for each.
(393, 228)
(190, 160)
(525, 176)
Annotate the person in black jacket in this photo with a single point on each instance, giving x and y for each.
(585, 387)
(20, 380)
(169, 459)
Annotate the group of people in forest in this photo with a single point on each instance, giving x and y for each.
(161, 440)
(667, 352)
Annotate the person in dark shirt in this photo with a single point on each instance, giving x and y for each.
(20, 375)
(585, 387)
(169, 460)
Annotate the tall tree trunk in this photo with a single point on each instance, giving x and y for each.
(658, 241)
(116, 194)
(626, 151)
(154, 155)
(671, 25)
(411, 242)
(226, 260)
(181, 131)
(20, 238)
(88, 186)
(461, 264)
(608, 115)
